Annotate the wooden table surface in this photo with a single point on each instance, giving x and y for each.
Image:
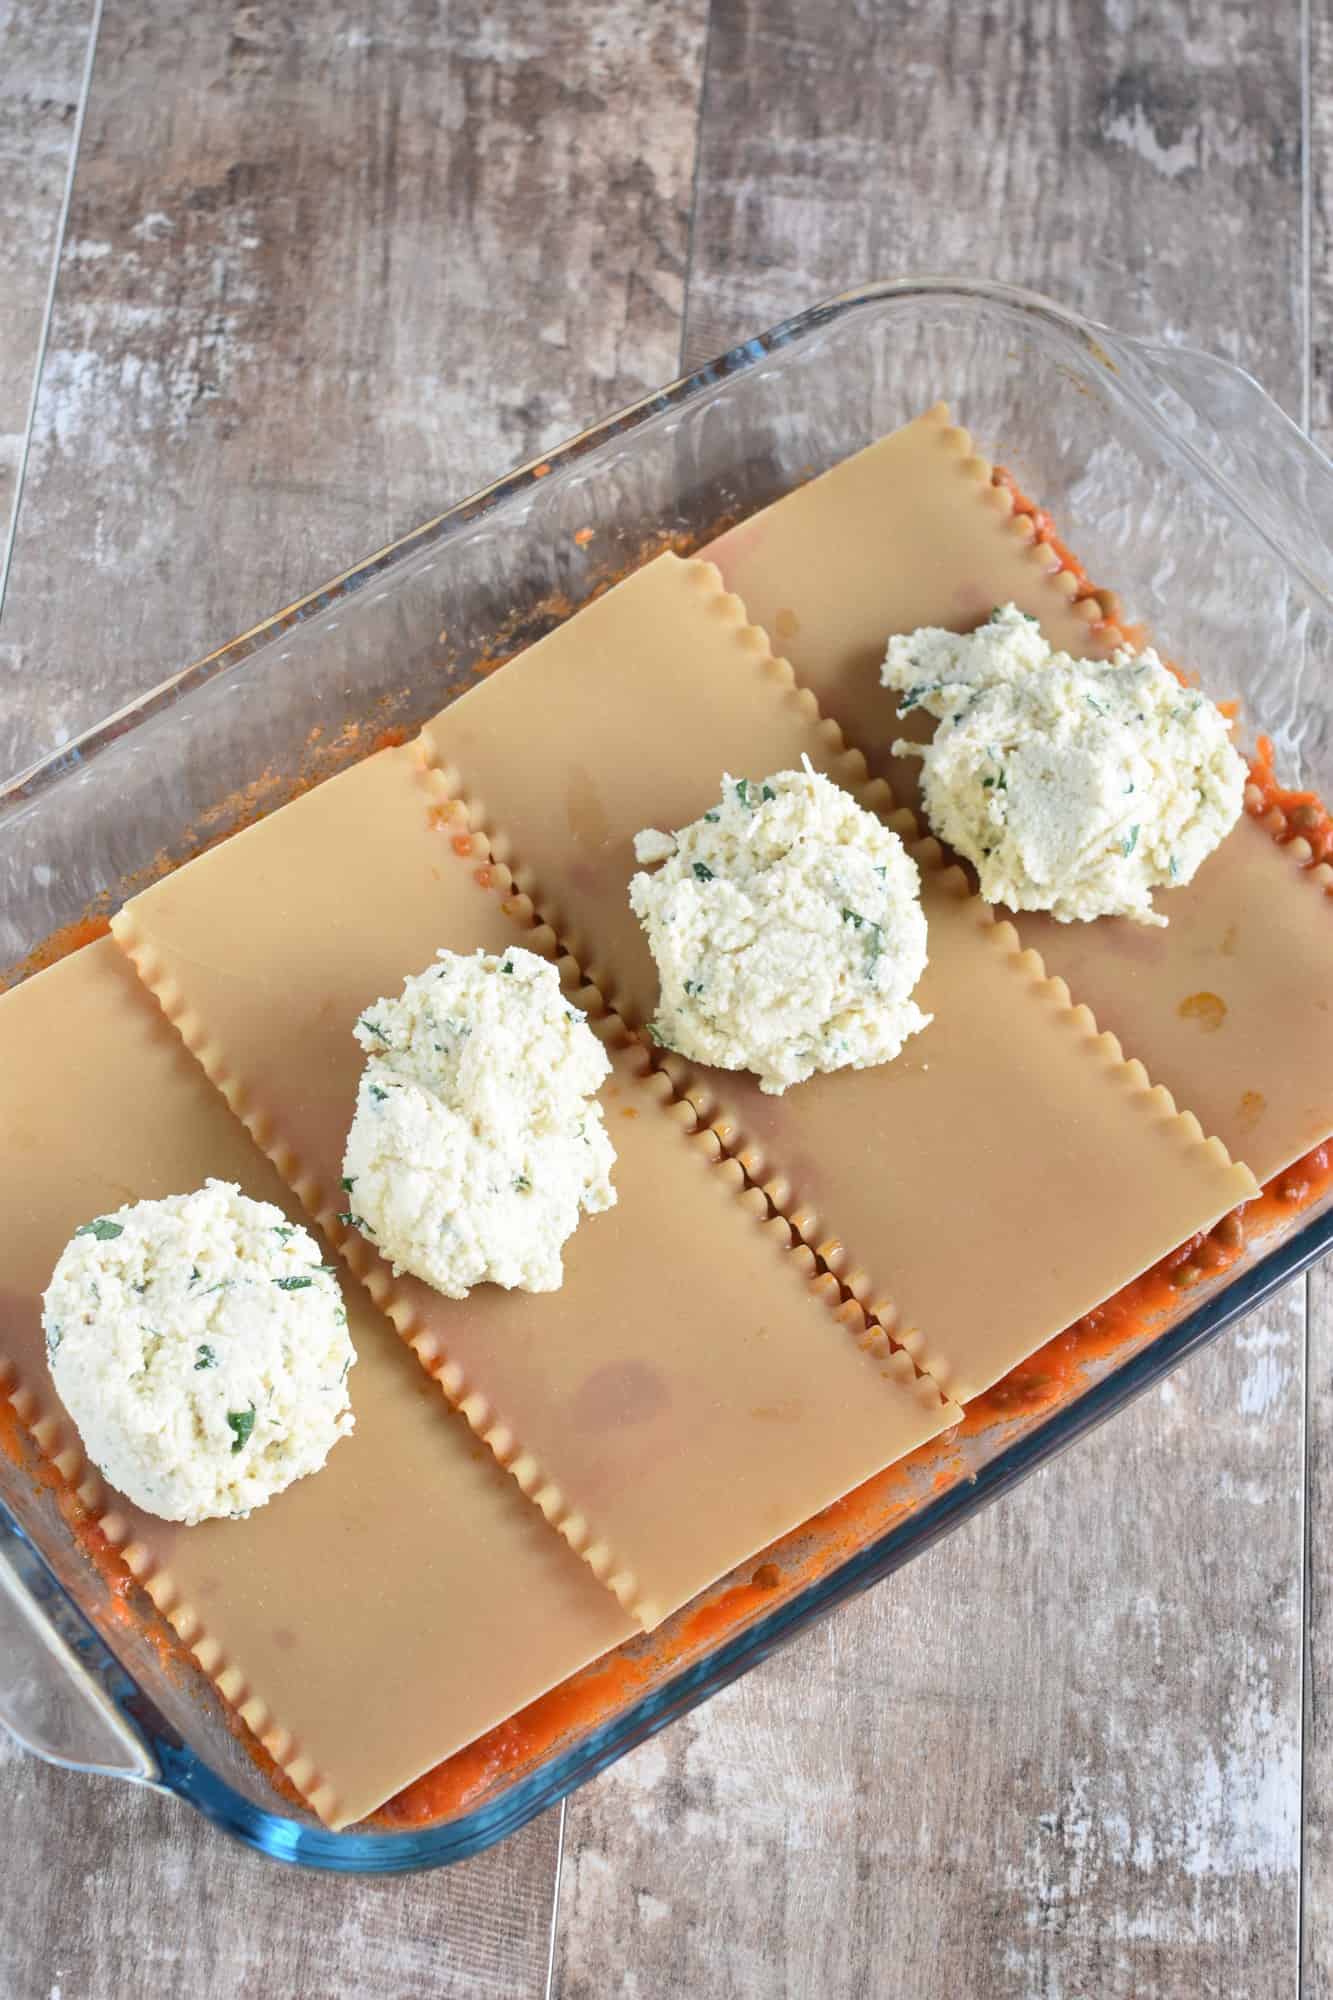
(275, 284)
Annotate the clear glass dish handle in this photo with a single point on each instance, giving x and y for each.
(1276, 477)
(56, 1695)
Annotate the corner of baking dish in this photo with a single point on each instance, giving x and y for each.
(59, 1446)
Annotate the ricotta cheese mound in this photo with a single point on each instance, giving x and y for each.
(1074, 786)
(477, 1144)
(201, 1348)
(787, 929)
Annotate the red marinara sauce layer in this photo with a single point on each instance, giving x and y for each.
(1055, 1374)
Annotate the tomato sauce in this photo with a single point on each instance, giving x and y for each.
(1059, 1370)
(1303, 815)
(574, 1706)
(94, 924)
(1053, 1376)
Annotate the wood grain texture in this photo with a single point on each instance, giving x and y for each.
(43, 51)
(1057, 1756)
(1073, 147)
(1320, 196)
(1317, 1869)
(328, 269)
(1062, 1756)
(110, 1894)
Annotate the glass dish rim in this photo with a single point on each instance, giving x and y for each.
(1108, 349)
(306, 1844)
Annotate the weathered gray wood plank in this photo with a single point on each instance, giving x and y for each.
(1062, 169)
(1321, 223)
(1317, 1881)
(1060, 1756)
(1317, 1898)
(328, 269)
(43, 53)
(1116, 156)
(110, 1894)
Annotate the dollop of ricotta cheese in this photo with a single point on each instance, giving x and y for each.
(1074, 786)
(477, 1143)
(788, 931)
(200, 1346)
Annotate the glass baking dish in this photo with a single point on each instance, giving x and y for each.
(1179, 484)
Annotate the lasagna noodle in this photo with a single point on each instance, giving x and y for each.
(687, 1396)
(1006, 1173)
(377, 1615)
(1229, 1006)
(626, 716)
(908, 532)
(1007, 1138)
(274, 942)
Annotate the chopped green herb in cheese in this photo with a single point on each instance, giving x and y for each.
(254, 1358)
(787, 929)
(1032, 780)
(488, 1149)
(104, 1229)
(242, 1423)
